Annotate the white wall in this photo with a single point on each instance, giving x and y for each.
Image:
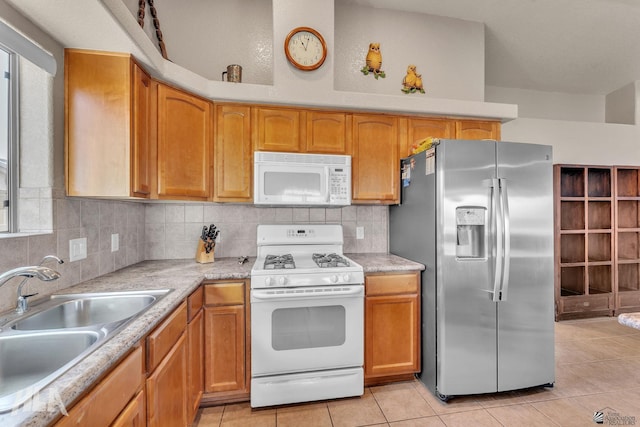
(621, 105)
(579, 142)
(550, 105)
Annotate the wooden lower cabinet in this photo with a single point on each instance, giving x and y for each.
(195, 350)
(226, 342)
(392, 327)
(106, 400)
(134, 415)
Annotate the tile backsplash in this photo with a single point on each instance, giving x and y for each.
(153, 231)
(172, 229)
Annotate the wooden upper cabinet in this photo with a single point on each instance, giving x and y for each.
(278, 129)
(106, 125)
(375, 160)
(184, 145)
(327, 132)
(141, 144)
(417, 129)
(233, 155)
(477, 129)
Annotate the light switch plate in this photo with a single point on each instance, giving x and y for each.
(115, 242)
(359, 233)
(77, 249)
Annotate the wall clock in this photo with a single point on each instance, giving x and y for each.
(305, 48)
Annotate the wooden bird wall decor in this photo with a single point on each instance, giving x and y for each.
(373, 62)
(412, 81)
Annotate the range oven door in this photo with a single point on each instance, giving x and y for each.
(306, 329)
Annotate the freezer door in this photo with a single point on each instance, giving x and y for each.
(525, 317)
(466, 314)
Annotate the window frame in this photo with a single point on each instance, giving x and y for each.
(13, 158)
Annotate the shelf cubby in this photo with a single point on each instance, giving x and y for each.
(599, 214)
(599, 182)
(628, 214)
(572, 248)
(572, 215)
(572, 182)
(600, 279)
(599, 247)
(572, 279)
(628, 245)
(628, 277)
(628, 182)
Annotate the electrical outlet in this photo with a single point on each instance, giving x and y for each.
(77, 249)
(359, 233)
(115, 242)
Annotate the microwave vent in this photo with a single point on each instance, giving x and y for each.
(328, 159)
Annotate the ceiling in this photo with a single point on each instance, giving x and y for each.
(572, 46)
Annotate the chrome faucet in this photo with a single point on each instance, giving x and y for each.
(45, 274)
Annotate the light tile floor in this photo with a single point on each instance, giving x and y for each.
(597, 369)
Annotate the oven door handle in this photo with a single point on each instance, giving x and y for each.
(297, 293)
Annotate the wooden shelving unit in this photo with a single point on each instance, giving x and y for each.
(584, 246)
(627, 215)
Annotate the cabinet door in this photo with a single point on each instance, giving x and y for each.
(233, 156)
(375, 160)
(184, 145)
(392, 339)
(277, 129)
(224, 348)
(140, 149)
(195, 344)
(477, 129)
(418, 129)
(327, 132)
(167, 389)
(134, 415)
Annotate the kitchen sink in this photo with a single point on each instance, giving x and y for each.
(29, 362)
(81, 310)
(56, 333)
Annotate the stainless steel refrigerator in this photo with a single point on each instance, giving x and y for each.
(479, 216)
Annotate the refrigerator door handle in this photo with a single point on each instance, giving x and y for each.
(498, 237)
(506, 235)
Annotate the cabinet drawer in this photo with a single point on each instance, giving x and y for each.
(224, 294)
(390, 284)
(134, 414)
(586, 303)
(194, 303)
(628, 299)
(103, 404)
(160, 341)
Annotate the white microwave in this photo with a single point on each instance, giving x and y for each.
(295, 179)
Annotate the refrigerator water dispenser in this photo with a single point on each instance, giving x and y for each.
(470, 222)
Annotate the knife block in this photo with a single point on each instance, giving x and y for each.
(201, 254)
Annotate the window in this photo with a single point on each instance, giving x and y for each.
(8, 140)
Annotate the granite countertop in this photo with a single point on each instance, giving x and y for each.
(183, 276)
(630, 319)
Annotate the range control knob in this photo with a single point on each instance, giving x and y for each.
(282, 280)
(346, 277)
(268, 281)
(333, 278)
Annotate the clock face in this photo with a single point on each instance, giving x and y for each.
(305, 48)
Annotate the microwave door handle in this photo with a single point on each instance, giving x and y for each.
(328, 183)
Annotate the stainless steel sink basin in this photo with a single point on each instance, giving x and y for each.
(31, 361)
(39, 346)
(80, 310)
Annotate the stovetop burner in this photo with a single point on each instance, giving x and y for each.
(279, 262)
(330, 260)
